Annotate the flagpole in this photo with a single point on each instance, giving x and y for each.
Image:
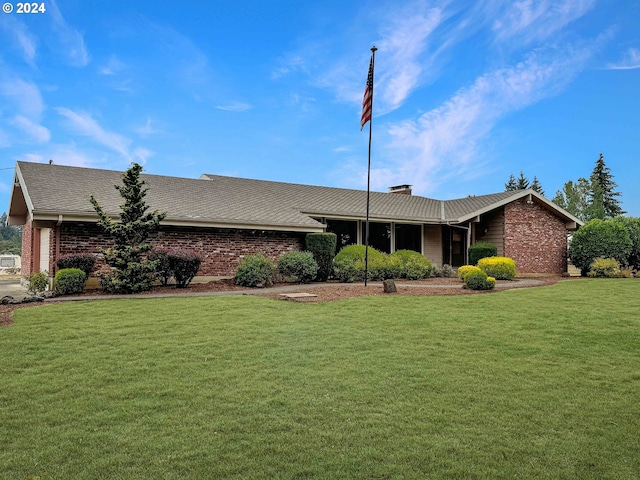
(366, 248)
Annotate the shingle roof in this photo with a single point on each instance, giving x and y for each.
(219, 200)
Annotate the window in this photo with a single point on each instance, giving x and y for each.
(409, 237)
(379, 236)
(346, 231)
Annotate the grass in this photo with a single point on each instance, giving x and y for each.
(535, 383)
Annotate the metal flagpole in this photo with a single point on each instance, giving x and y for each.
(366, 248)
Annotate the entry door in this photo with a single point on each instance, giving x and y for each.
(453, 246)
(45, 234)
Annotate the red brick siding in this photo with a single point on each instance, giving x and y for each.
(26, 259)
(221, 249)
(535, 238)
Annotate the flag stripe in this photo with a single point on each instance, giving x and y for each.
(367, 100)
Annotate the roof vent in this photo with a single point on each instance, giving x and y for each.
(401, 189)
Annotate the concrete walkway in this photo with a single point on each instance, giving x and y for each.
(520, 282)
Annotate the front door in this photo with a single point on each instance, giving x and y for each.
(453, 246)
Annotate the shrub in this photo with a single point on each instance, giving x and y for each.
(298, 265)
(83, 262)
(38, 282)
(413, 265)
(349, 264)
(70, 281)
(502, 268)
(445, 271)
(183, 265)
(478, 280)
(481, 250)
(163, 267)
(463, 270)
(605, 268)
(599, 238)
(255, 271)
(323, 248)
(632, 225)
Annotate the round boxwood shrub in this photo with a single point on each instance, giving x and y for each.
(463, 270)
(481, 250)
(323, 248)
(599, 238)
(478, 280)
(501, 268)
(255, 271)
(605, 268)
(413, 265)
(349, 264)
(70, 281)
(300, 266)
(163, 268)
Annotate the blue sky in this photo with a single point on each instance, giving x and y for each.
(466, 93)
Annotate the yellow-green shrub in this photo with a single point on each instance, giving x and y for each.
(501, 268)
(604, 268)
(478, 280)
(463, 270)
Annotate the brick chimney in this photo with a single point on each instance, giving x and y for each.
(401, 189)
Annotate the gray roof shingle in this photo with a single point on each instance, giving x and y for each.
(221, 200)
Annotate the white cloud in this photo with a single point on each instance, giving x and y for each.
(25, 96)
(535, 20)
(70, 41)
(37, 132)
(443, 142)
(22, 38)
(235, 107)
(147, 129)
(83, 124)
(629, 61)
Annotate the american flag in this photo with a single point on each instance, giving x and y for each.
(367, 101)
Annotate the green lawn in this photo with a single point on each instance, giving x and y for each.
(532, 383)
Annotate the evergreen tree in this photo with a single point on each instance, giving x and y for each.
(536, 186)
(132, 272)
(602, 197)
(511, 185)
(523, 182)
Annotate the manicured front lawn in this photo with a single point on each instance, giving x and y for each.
(534, 383)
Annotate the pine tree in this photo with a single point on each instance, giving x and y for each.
(511, 185)
(523, 182)
(536, 186)
(602, 198)
(132, 273)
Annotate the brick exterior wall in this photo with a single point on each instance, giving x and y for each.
(26, 267)
(535, 238)
(221, 249)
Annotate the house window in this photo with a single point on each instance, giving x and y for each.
(408, 237)
(379, 236)
(347, 232)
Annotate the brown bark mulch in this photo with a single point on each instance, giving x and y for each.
(327, 292)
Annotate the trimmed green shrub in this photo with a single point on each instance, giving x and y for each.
(502, 268)
(478, 280)
(163, 267)
(599, 238)
(84, 262)
(445, 271)
(184, 265)
(605, 268)
(349, 264)
(632, 225)
(463, 270)
(70, 281)
(413, 265)
(323, 248)
(300, 266)
(255, 271)
(481, 250)
(38, 282)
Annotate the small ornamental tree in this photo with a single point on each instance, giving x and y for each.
(323, 248)
(131, 271)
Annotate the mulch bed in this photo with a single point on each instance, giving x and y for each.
(329, 292)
